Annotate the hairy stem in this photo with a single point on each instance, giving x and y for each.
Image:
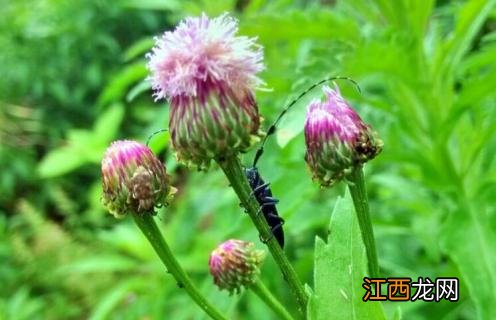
(360, 200)
(263, 293)
(148, 226)
(236, 176)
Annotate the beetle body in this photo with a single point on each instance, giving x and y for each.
(267, 202)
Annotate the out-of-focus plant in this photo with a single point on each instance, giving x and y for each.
(426, 71)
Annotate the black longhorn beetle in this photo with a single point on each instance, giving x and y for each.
(261, 189)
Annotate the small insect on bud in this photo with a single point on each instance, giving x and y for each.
(336, 138)
(208, 74)
(133, 179)
(234, 264)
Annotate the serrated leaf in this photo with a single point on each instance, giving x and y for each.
(340, 266)
(470, 19)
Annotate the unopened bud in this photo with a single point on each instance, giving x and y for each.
(234, 264)
(133, 179)
(336, 138)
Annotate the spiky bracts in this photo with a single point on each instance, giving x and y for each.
(234, 264)
(208, 74)
(336, 138)
(133, 179)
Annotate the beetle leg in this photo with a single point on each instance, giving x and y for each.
(258, 188)
(265, 204)
(277, 226)
(272, 200)
(264, 241)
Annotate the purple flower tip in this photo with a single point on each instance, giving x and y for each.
(133, 179)
(209, 74)
(336, 138)
(202, 50)
(234, 264)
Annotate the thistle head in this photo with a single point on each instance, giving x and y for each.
(336, 138)
(234, 264)
(208, 74)
(133, 179)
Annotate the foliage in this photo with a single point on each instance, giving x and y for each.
(339, 268)
(73, 80)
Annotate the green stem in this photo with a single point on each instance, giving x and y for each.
(263, 293)
(236, 176)
(359, 195)
(148, 226)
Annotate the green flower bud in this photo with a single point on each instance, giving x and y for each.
(133, 179)
(234, 264)
(209, 74)
(337, 139)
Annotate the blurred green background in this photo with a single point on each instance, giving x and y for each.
(73, 79)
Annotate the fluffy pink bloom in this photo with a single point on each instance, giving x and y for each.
(336, 138)
(202, 52)
(209, 75)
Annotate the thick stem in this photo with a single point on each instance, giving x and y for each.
(263, 293)
(236, 176)
(148, 226)
(360, 200)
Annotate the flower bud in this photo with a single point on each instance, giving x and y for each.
(234, 264)
(208, 74)
(133, 179)
(336, 138)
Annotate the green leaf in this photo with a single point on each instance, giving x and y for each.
(117, 88)
(84, 146)
(60, 161)
(115, 296)
(101, 263)
(296, 24)
(169, 5)
(467, 236)
(470, 19)
(138, 49)
(108, 123)
(138, 89)
(340, 266)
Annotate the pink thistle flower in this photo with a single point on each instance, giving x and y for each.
(234, 264)
(133, 179)
(208, 74)
(336, 138)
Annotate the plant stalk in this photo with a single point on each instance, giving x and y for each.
(236, 176)
(263, 293)
(148, 226)
(361, 203)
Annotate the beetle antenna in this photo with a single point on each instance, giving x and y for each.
(272, 128)
(154, 134)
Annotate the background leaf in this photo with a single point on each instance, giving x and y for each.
(74, 79)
